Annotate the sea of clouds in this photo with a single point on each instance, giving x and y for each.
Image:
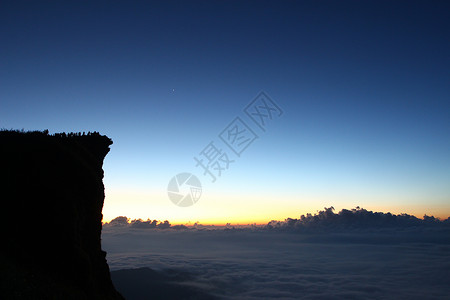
(283, 260)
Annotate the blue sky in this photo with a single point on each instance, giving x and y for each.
(363, 86)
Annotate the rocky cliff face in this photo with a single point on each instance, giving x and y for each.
(52, 196)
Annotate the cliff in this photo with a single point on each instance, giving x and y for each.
(52, 196)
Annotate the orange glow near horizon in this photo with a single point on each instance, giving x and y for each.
(223, 207)
(219, 216)
(223, 222)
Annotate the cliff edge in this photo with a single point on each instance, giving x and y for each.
(52, 196)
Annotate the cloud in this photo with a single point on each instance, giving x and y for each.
(324, 220)
(407, 259)
(145, 283)
(118, 221)
(355, 219)
(138, 223)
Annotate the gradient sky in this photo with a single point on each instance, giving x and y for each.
(364, 86)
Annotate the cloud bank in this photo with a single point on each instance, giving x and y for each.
(324, 220)
(348, 255)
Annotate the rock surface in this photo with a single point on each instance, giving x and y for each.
(52, 197)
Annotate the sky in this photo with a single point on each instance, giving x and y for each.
(361, 86)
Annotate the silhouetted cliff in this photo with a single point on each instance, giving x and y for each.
(52, 197)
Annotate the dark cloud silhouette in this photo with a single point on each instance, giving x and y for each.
(357, 218)
(144, 224)
(119, 221)
(350, 254)
(138, 223)
(326, 220)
